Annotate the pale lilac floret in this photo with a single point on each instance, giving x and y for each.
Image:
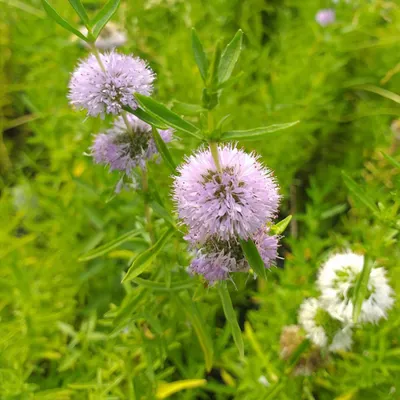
(325, 16)
(217, 259)
(234, 202)
(106, 91)
(122, 150)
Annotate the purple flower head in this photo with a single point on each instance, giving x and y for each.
(325, 16)
(216, 259)
(122, 150)
(236, 201)
(107, 91)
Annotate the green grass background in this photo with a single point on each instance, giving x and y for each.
(71, 330)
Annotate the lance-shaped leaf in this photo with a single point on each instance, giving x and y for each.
(103, 16)
(143, 260)
(361, 288)
(199, 55)
(146, 117)
(229, 57)
(280, 227)
(80, 10)
(107, 247)
(165, 115)
(359, 193)
(382, 92)
(163, 150)
(253, 257)
(187, 109)
(165, 390)
(192, 312)
(257, 133)
(394, 162)
(230, 316)
(52, 13)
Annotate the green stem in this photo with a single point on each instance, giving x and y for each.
(213, 145)
(97, 55)
(147, 210)
(214, 153)
(128, 125)
(5, 163)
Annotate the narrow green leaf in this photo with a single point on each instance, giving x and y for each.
(52, 13)
(162, 212)
(231, 81)
(146, 117)
(359, 193)
(253, 257)
(103, 16)
(280, 227)
(382, 92)
(229, 57)
(213, 76)
(162, 287)
(394, 162)
(231, 317)
(144, 259)
(199, 55)
(171, 119)
(80, 10)
(257, 133)
(361, 288)
(187, 109)
(295, 357)
(163, 150)
(193, 314)
(107, 247)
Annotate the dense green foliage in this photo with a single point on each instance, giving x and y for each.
(70, 329)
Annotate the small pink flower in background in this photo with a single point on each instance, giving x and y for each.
(325, 16)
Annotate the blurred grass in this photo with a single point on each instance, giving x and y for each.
(70, 330)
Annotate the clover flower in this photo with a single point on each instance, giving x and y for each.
(217, 258)
(325, 16)
(124, 150)
(322, 329)
(337, 280)
(105, 89)
(235, 201)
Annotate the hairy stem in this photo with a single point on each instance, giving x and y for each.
(97, 55)
(213, 145)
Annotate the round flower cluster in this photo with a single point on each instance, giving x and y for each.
(125, 147)
(104, 85)
(328, 320)
(221, 205)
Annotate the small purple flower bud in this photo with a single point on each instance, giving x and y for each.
(106, 91)
(325, 16)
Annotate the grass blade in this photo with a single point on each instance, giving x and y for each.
(231, 317)
(359, 193)
(107, 247)
(144, 259)
(193, 314)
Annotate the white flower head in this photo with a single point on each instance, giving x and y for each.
(337, 280)
(322, 329)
